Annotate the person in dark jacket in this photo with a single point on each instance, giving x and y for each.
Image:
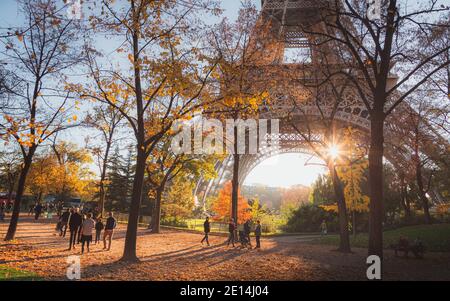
(64, 220)
(37, 211)
(98, 229)
(75, 222)
(83, 218)
(247, 230)
(109, 230)
(206, 229)
(258, 234)
(231, 230)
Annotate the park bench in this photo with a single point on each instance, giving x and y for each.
(403, 245)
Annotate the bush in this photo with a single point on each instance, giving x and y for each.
(308, 217)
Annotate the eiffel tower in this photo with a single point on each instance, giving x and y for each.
(285, 20)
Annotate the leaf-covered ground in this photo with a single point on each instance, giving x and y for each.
(176, 255)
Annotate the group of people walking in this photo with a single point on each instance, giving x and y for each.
(244, 235)
(81, 228)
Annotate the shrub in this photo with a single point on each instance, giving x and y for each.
(308, 217)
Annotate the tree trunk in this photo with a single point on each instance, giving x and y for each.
(156, 220)
(10, 191)
(20, 190)
(376, 184)
(422, 194)
(235, 180)
(103, 176)
(344, 241)
(354, 222)
(129, 253)
(235, 188)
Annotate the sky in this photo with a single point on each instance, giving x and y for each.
(279, 171)
(286, 170)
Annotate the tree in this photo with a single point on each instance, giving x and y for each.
(257, 211)
(71, 171)
(39, 55)
(164, 166)
(106, 120)
(239, 93)
(119, 180)
(178, 202)
(370, 49)
(222, 205)
(295, 196)
(352, 173)
(9, 171)
(63, 172)
(167, 79)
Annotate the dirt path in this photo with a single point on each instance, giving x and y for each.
(174, 255)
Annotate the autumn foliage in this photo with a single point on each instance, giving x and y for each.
(222, 205)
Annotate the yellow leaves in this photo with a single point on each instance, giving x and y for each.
(330, 208)
(351, 172)
(74, 117)
(131, 58)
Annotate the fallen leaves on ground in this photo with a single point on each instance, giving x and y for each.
(175, 255)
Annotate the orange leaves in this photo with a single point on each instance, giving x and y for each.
(25, 132)
(222, 205)
(131, 58)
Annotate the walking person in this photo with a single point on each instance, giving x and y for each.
(323, 228)
(37, 211)
(64, 219)
(231, 230)
(258, 234)
(206, 229)
(109, 230)
(86, 232)
(75, 222)
(98, 229)
(247, 230)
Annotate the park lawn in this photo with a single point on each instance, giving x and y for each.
(435, 237)
(11, 274)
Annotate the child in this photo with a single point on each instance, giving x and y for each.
(98, 229)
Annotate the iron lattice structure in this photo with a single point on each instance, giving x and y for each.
(286, 18)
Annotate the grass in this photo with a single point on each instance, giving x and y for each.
(435, 237)
(11, 274)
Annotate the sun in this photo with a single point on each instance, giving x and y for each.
(333, 151)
